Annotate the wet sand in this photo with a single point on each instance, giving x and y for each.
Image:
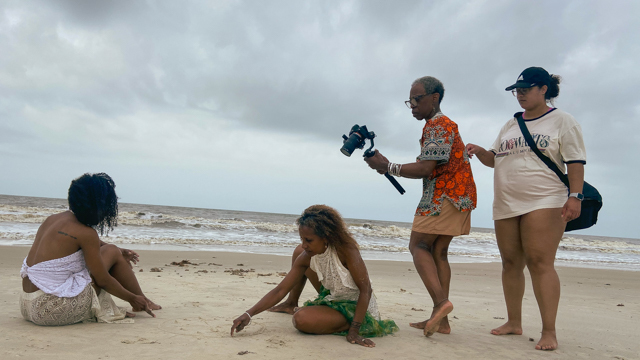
(599, 315)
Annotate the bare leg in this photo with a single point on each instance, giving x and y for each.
(319, 320)
(541, 234)
(290, 304)
(440, 251)
(421, 246)
(513, 262)
(119, 268)
(440, 256)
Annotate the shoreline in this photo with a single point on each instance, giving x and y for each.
(199, 306)
(366, 255)
(160, 227)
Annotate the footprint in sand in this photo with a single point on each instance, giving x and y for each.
(197, 327)
(201, 328)
(139, 341)
(276, 343)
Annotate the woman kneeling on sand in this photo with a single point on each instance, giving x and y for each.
(345, 304)
(69, 270)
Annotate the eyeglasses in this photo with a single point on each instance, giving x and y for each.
(521, 91)
(414, 100)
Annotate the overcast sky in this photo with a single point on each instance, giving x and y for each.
(241, 104)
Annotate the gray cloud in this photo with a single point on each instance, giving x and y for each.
(133, 82)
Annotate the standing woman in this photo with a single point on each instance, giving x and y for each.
(531, 207)
(449, 195)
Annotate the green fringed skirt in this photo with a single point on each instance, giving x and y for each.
(370, 326)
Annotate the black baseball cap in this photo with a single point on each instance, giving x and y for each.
(530, 77)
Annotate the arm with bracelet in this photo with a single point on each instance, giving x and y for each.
(274, 296)
(416, 170)
(360, 276)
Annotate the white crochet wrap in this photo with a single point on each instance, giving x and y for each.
(64, 277)
(66, 295)
(50, 310)
(338, 280)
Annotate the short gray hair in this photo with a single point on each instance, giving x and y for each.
(431, 86)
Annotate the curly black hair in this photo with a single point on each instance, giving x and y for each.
(93, 200)
(554, 87)
(327, 224)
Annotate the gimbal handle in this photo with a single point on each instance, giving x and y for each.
(396, 184)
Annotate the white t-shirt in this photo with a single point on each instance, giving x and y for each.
(522, 182)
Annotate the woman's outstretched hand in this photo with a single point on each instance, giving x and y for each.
(378, 162)
(240, 323)
(141, 302)
(473, 149)
(357, 339)
(487, 158)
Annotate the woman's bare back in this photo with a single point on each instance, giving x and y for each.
(56, 238)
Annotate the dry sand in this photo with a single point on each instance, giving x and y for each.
(200, 302)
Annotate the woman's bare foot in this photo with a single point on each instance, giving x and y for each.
(419, 325)
(152, 306)
(439, 312)
(547, 341)
(284, 307)
(444, 328)
(508, 329)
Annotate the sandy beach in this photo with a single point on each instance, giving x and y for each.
(598, 316)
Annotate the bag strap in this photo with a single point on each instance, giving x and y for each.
(532, 144)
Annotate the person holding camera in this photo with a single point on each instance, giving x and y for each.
(530, 207)
(449, 195)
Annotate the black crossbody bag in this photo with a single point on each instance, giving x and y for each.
(592, 201)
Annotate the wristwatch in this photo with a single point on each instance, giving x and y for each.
(578, 196)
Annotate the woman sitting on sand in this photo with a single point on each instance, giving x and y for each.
(69, 270)
(345, 304)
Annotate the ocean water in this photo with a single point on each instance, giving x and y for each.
(182, 228)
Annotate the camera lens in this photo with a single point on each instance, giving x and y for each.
(346, 151)
(351, 144)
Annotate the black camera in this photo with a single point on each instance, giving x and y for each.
(356, 140)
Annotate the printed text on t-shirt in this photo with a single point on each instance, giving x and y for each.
(542, 142)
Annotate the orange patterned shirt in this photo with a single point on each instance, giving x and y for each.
(452, 178)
